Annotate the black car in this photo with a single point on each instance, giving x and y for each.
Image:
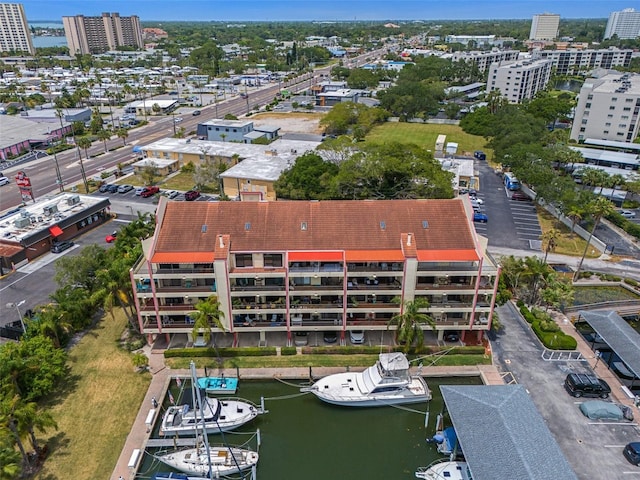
(586, 385)
(60, 247)
(330, 337)
(104, 188)
(112, 189)
(632, 452)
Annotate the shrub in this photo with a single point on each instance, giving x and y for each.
(631, 281)
(520, 303)
(288, 351)
(222, 352)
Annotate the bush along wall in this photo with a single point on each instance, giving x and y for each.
(547, 330)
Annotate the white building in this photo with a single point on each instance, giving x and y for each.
(608, 108)
(519, 80)
(572, 61)
(544, 26)
(465, 39)
(14, 30)
(624, 24)
(483, 59)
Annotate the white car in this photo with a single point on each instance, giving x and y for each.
(4, 181)
(139, 190)
(177, 119)
(356, 337)
(627, 213)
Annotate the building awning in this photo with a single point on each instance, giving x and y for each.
(55, 230)
(447, 256)
(314, 256)
(374, 256)
(183, 257)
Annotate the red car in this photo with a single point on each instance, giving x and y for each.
(149, 191)
(520, 197)
(191, 195)
(111, 238)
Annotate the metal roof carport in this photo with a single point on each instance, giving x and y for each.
(616, 333)
(502, 434)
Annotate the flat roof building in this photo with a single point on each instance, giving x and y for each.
(15, 35)
(624, 24)
(575, 61)
(519, 80)
(91, 35)
(544, 26)
(286, 266)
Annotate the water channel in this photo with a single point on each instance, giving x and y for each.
(302, 437)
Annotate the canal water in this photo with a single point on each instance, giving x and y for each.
(302, 437)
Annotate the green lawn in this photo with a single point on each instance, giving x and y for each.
(425, 135)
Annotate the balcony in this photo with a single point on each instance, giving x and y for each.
(375, 267)
(320, 267)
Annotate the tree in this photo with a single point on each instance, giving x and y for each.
(156, 108)
(534, 275)
(123, 134)
(206, 317)
(549, 239)
(104, 135)
(309, 178)
(409, 323)
(150, 173)
(85, 143)
(598, 208)
(575, 213)
(557, 293)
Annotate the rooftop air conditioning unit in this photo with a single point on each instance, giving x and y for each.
(22, 222)
(73, 200)
(50, 210)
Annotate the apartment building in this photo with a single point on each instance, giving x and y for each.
(277, 268)
(544, 26)
(14, 29)
(91, 35)
(483, 60)
(574, 61)
(624, 24)
(519, 80)
(608, 108)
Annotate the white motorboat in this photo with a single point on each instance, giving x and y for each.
(217, 415)
(223, 461)
(442, 470)
(388, 382)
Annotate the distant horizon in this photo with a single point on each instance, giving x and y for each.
(327, 11)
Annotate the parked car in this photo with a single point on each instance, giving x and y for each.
(191, 195)
(480, 155)
(330, 336)
(111, 237)
(627, 213)
(4, 181)
(300, 339)
(356, 337)
(125, 188)
(451, 336)
(586, 385)
(519, 196)
(60, 247)
(195, 113)
(139, 190)
(173, 194)
(600, 410)
(476, 201)
(149, 191)
(104, 188)
(113, 189)
(632, 453)
(480, 217)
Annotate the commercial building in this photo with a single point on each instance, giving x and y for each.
(91, 35)
(519, 80)
(281, 267)
(608, 108)
(624, 24)
(544, 26)
(242, 131)
(574, 61)
(15, 35)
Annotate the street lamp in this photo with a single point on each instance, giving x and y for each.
(17, 307)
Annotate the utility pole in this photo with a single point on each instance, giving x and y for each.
(173, 114)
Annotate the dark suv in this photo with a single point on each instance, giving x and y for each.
(586, 385)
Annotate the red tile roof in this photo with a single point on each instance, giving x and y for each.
(375, 225)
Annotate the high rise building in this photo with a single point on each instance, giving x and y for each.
(608, 108)
(89, 35)
(624, 24)
(544, 26)
(14, 30)
(519, 80)
(574, 61)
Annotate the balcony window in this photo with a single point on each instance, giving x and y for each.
(244, 260)
(272, 260)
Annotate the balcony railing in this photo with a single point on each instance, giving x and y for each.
(257, 288)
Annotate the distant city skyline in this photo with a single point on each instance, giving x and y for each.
(328, 10)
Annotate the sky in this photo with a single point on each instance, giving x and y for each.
(328, 10)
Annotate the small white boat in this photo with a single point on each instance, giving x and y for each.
(388, 382)
(223, 461)
(442, 470)
(217, 415)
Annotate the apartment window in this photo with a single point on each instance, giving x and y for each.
(622, 125)
(608, 124)
(627, 109)
(614, 99)
(612, 107)
(272, 260)
(590, 97)
(610, 116)
(628, 100)
(244, 260)
(582, 129)
(620, 134)
(624, 117)
(584, 121)
(588, 105)
(605, 132)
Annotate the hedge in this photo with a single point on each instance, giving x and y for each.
(547, 330)
(288, 351)
(222, 352)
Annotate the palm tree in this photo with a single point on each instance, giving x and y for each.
(598, 208)
(550, 238)
(575, 213)
(85, 143)
(50, 321)
(535, 271)
(206, 317)
(123, 134)
(104, 135)
(409, 323)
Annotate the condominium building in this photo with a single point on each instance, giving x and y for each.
(282, 267)
(544, 26)
(519, 80)
(14, 29)
(624, 24)
(484, 59)
(90, 35)
(574, 61)
(608, 108)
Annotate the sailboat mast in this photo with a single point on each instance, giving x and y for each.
(194, 381)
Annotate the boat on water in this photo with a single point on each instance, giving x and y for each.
(218, 385)
(388, 382)
(216, 415)
(441, 470)
(221, 460)
(175, 476)
(447, 442)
